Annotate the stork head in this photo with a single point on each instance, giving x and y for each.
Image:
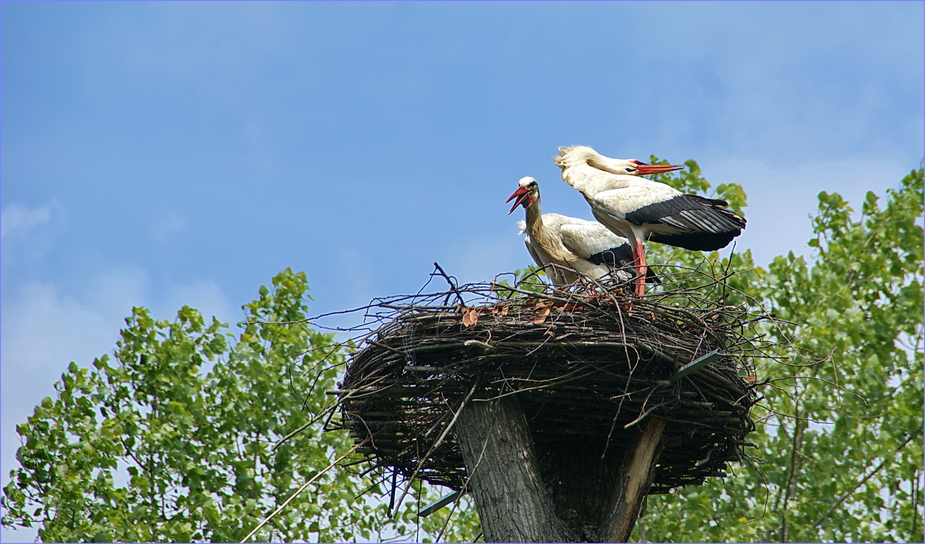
(527, 194)
(632, 167)
(582, 154)
(573, 156)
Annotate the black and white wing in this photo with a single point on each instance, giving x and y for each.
(671, 217)
(595, 243)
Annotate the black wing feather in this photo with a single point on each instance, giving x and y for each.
(621, 258)
(702, 223)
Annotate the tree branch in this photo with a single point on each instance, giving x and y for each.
(301, 489)
(844, 497)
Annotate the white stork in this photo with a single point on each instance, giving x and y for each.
(641, 209)
(568, 248)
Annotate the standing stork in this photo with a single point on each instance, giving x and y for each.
(568, 248)
(641, 209)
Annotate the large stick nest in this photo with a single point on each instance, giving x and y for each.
(587, 367)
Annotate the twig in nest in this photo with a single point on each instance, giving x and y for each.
(424, 458)
(448, 280)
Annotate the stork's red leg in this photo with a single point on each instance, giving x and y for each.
(639, 259)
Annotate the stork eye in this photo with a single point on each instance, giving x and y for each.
(631, 170)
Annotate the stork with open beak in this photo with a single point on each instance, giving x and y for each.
(567, 247)
(641, 209)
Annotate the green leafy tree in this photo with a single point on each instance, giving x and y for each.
(841, 433)
(173, 438)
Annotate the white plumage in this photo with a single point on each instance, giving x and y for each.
(567, 247)
(641, 209)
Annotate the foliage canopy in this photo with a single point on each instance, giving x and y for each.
(172, 439)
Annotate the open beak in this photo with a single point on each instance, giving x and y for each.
(520, 194)
(646, 169)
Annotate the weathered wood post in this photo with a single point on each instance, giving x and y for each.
(584, 498)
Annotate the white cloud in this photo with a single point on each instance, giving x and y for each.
(27, 233)
(17, 219)
(167, 225)
(116, 291)
(43, 331)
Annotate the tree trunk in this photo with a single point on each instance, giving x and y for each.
(558, 491)
(512, 501)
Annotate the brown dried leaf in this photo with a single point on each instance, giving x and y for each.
(540, 315)
(470, 317)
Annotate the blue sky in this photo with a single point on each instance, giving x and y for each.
(162, 154)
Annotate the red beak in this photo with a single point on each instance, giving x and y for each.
(646, 169)
(520, 194)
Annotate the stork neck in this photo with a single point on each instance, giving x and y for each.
(534, 214)
(590, 180)
(590, 172)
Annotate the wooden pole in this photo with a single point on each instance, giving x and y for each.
(567, 493)
(512, 501)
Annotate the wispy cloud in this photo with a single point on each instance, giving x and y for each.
(167, 225)
(28, 233)
(17, 219)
